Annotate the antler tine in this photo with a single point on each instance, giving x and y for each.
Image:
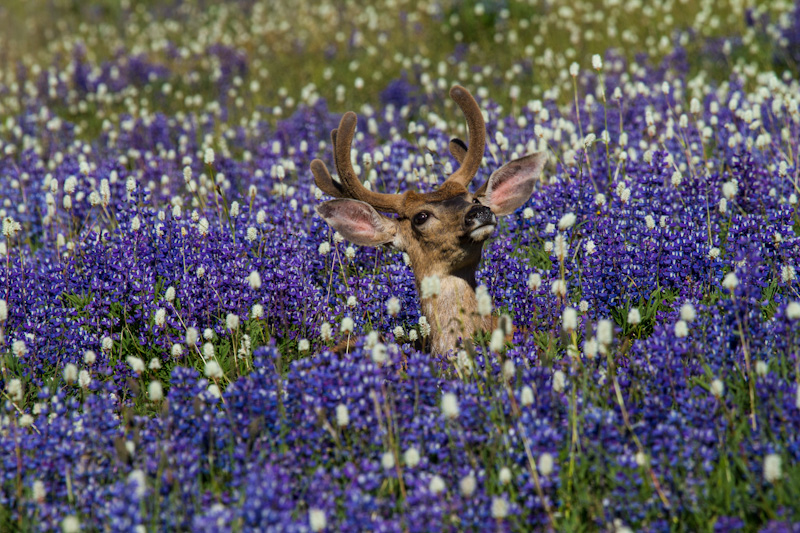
(477, 137)
(351, 187)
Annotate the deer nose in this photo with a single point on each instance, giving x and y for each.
(479, 215)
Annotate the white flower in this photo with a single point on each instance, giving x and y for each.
(467, 485)
(14, 389)
(497, 342)
(208, 156)
(214, 391)
(398, 332)
(717, 388)
(772, 467)
(450, 407)
(430, 287)
(546, 464)
(641, 458)
(605, 332)
(484, 301)
(71, 524)
(316, 519)
(504, 475)
(342, 415)
(18, 348)
(681, 329)
(3, 311)
(499, 508)
(254, 280)
(161, 317)
(573, 69)
(213, 370)
(559, 288)
(303, 345)
(567, 221)
(107, 344)
(713, 253)
(138, 477)
(411, 457)
(89, 357)
(526, 396)
(208, 348)
(527, 213)
(729, 189)
(761, 368)
(437, 485)
(325, 331)
(424, 326)
(25, 420)
(788, 274)
(347, 325)
(793, 311)
(688, 312)
(591, 348)
(597, 62)
(39, 492)
(534, 281)
(387, 460)
(379, 353)
(155, 391)
(509, 370)
(559, 381)
(730, 281)
(137, 365)
(70, 373)
(393, 306)
(324, 248)
(84, 379)
(257, 311)
(569, 319)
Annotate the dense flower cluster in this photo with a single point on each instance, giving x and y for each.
(169, 298)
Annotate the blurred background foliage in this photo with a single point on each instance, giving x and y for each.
(348, 52)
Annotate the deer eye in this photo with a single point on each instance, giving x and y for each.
(420, 218)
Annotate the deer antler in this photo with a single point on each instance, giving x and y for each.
(351, 186)
(470, 158)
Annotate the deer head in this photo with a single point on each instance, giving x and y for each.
(442, 231)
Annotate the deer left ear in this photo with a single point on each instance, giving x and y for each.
(358, 222)
(511, 185)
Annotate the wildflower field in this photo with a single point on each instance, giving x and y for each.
(169, 296)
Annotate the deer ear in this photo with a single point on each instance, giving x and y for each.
(358, 221)
(511, 185)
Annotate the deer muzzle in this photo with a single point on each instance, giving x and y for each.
(480, 222)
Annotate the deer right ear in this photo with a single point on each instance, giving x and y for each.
(358, 222)
(510, 186)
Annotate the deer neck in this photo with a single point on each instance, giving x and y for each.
(452, 314)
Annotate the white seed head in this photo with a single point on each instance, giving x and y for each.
(450, 408)
(772, 468)
(467, 485)
(342, 415)
(546, 464)
(411, 457)
(717, 388)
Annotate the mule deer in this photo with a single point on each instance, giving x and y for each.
(442, 231)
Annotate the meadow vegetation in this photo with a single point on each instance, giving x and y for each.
(169, 297)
